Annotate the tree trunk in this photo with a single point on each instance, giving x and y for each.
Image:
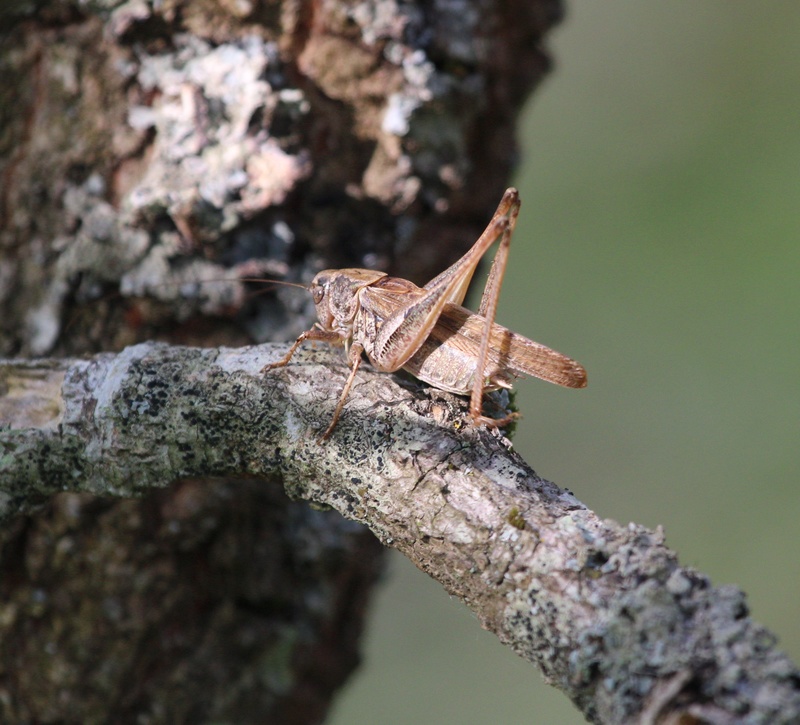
(146, 151)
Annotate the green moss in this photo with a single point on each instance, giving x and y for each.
(516, 519)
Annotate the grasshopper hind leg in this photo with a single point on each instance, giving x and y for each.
(507, 212)
(478, 418)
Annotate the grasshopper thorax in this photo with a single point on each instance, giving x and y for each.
(335, 294)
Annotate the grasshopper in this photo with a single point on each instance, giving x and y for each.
(426, 331)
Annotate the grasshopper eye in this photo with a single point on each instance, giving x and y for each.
(317, 293)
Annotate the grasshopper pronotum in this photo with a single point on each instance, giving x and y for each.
(426, 331)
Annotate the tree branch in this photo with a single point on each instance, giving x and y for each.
(605, 611)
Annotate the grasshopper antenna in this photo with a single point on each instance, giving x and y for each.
(270, 282)
(267, 286)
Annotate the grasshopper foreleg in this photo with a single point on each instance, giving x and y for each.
(321, 335)
(314, 334)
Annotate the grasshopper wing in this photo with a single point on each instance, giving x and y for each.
(513, 353)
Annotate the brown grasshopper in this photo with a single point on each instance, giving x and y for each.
(426, 331)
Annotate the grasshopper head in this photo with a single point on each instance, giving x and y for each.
(320, 293)
(335, 293)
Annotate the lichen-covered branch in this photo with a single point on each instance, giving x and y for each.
(606, 611)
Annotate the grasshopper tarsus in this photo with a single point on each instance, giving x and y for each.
(480, 419)
(284, 361)
(426, 331)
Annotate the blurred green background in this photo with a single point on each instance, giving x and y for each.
(658, 245)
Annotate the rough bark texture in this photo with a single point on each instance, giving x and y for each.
(606, 611)
(148, 150)
(145, 149)
(266, 631)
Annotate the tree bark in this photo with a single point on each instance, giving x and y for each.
(148, 149)
(606, 611)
